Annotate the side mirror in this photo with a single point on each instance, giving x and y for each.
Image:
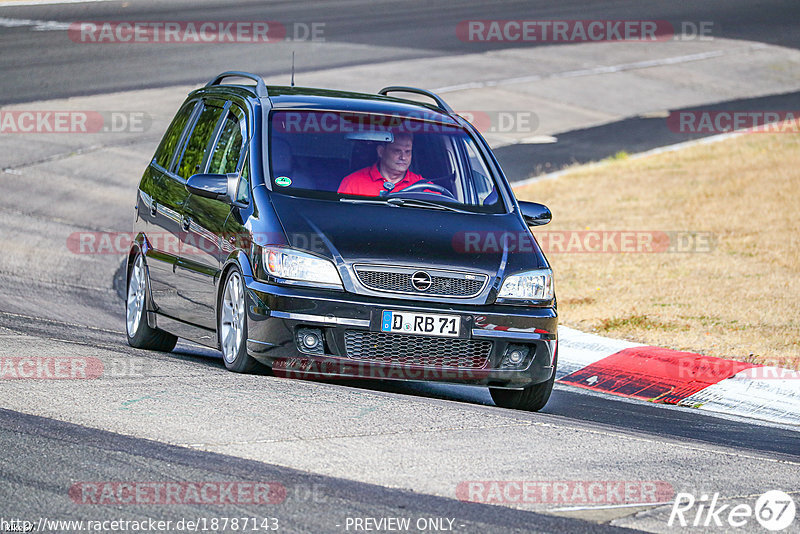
(535, 214)
(216, 186)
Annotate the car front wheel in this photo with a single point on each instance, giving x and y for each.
(531, 399)
(140, 334)
(232, 325)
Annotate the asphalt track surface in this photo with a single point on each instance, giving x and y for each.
(40, 65)
(44, 305)
(312, 503)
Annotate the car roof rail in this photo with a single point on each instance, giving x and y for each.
(261, 87)
(440, 103)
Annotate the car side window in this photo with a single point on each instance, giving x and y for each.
(225, 158)
(171, 139)
(243, 193)
(198, 142)
(484, 187)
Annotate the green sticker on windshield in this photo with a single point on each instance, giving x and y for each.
(283, 181)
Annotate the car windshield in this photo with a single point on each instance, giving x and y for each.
(379, 158)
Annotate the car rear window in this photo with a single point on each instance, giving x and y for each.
(173, 136)
(195, 150)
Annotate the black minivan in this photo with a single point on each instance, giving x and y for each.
(335, 234)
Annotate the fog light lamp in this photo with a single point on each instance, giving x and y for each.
(310, 340)
(515, 357)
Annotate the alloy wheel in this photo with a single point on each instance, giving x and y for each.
(232, 317)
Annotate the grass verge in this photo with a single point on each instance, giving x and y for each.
(724, 222)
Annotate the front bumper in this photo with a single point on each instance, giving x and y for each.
(275, 313)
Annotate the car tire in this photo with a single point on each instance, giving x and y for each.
(140, 334)
(530, 399)
(232, 325)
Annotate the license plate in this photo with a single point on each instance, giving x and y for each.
(428, 324)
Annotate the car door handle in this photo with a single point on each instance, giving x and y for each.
(153, 209)
(187, 222)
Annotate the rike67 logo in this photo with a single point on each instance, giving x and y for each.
(774, 510)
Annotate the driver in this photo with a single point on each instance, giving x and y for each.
(390, 173)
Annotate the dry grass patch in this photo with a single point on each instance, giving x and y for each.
(741, 300)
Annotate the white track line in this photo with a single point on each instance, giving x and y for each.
(37, 25)
(15, 3)
(609, 506)
(601, 69)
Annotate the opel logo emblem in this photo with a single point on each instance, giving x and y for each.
(421, 281)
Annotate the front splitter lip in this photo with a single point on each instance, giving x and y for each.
(306, 366)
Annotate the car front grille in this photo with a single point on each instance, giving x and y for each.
(399, 280)
(405, 349)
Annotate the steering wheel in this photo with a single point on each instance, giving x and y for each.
(421, 186)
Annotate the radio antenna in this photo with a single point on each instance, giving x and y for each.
(292, 68)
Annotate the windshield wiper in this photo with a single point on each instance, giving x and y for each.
(369, 200)
(418, 203)
(398, 202)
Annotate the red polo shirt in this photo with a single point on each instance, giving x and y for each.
(369, 182)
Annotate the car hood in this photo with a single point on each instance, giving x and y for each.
(356, 233)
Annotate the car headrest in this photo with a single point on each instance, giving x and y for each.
(363, 155)
(491, 198)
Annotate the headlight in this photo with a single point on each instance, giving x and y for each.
(530, 285)
(292, 264)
